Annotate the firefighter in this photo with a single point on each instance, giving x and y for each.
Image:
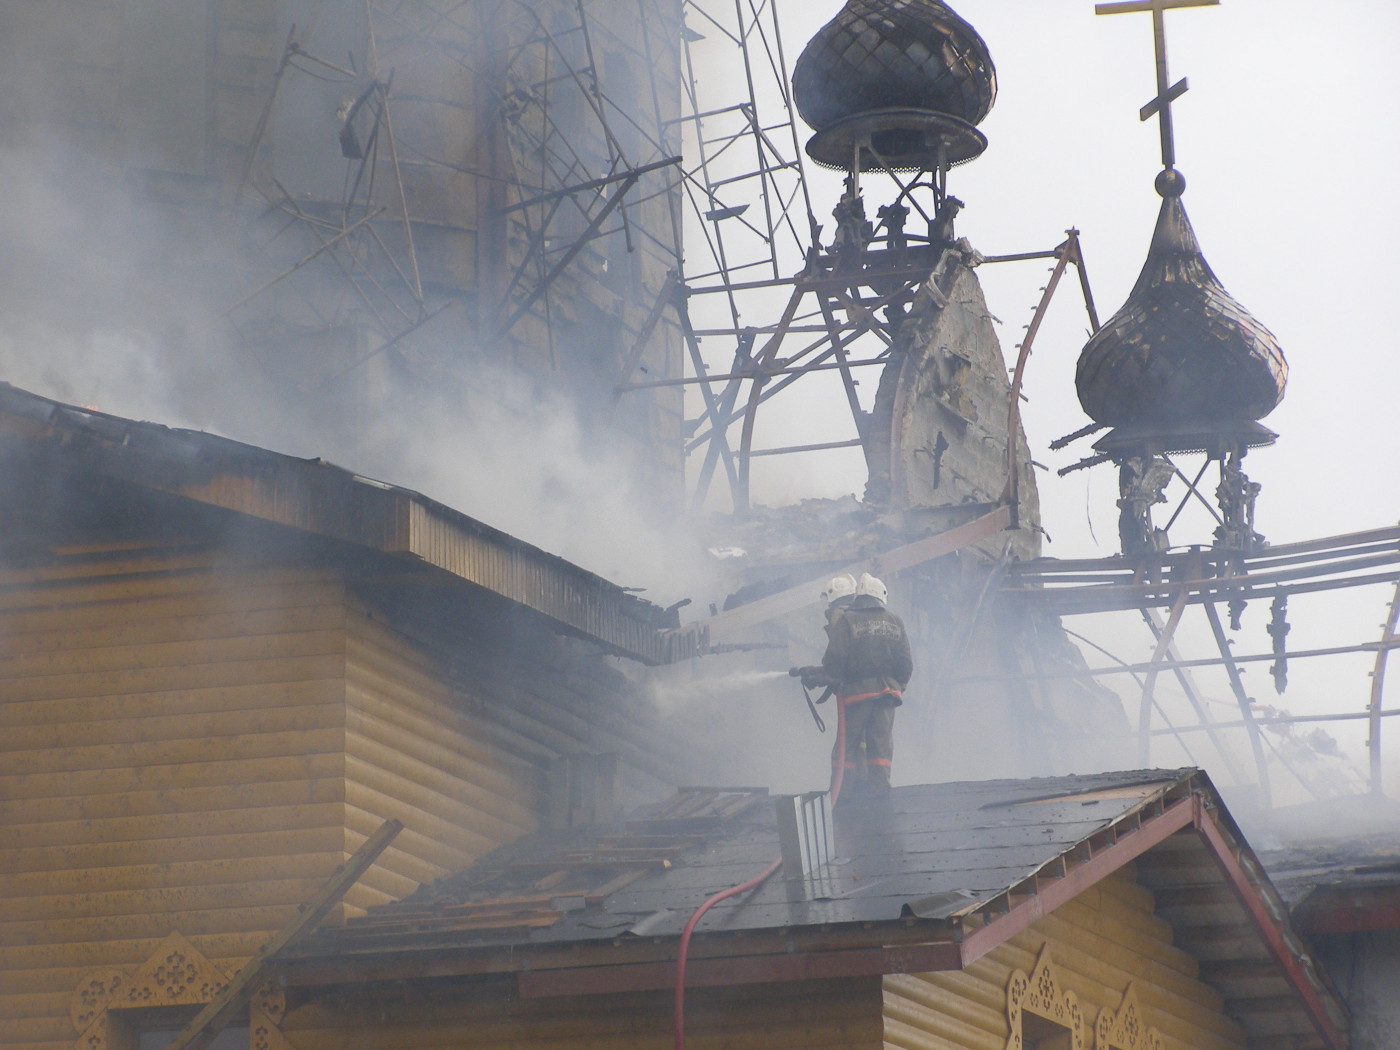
(868, 661)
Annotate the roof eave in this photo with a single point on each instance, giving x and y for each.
(647, 964)
(320, 499)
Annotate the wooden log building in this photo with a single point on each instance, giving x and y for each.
(223, 669)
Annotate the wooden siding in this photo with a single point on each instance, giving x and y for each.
(817, 1015)
(544, 695)
(171, 757)
(1102, 941)
(458, 748)
(416, 752)
(193, 745)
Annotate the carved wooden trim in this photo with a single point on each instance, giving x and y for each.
(1040, 993)
(1125, 1029)
(93, 995)
(176, 974)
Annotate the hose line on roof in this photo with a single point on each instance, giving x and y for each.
(838, 775)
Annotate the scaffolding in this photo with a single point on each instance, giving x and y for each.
(494, 154)
(755, 249)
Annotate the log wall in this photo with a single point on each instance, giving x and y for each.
(414, 751)
(192, 745)
(1102, 941)
(171, 757)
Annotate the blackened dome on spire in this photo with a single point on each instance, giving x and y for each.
(887, 54)
(1181, 350)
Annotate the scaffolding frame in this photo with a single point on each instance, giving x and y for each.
(843, 306)
(583, 180)
(1209, 578)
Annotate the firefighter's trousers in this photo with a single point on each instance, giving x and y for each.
(869, 745)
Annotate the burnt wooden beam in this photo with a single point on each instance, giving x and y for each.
(745, 617)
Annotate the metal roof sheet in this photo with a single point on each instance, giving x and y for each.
(932, 851)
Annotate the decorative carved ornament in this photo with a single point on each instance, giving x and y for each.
(1125, 1029)
(1040, 993)
(176, 974)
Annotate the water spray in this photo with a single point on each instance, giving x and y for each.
(674, 694)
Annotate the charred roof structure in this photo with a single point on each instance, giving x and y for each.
(1181, 369)
(893, 91)
(313, 498)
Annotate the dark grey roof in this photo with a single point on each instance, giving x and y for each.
(932, 851)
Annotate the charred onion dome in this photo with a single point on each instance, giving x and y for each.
(1181, 351)
(894, 54)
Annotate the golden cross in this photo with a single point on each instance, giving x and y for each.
(1166, 95)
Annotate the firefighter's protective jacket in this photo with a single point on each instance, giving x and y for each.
(867, 652)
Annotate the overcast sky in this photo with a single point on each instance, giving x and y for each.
(1289, 138)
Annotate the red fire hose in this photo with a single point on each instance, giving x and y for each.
(838, 774)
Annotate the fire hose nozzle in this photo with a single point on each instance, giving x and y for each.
(812, 677)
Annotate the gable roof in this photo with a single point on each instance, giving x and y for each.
(320, 500)
(932, 878)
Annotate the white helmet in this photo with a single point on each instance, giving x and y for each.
(843, 586)
(870, 587)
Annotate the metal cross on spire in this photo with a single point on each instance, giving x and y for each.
(1161, 106)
